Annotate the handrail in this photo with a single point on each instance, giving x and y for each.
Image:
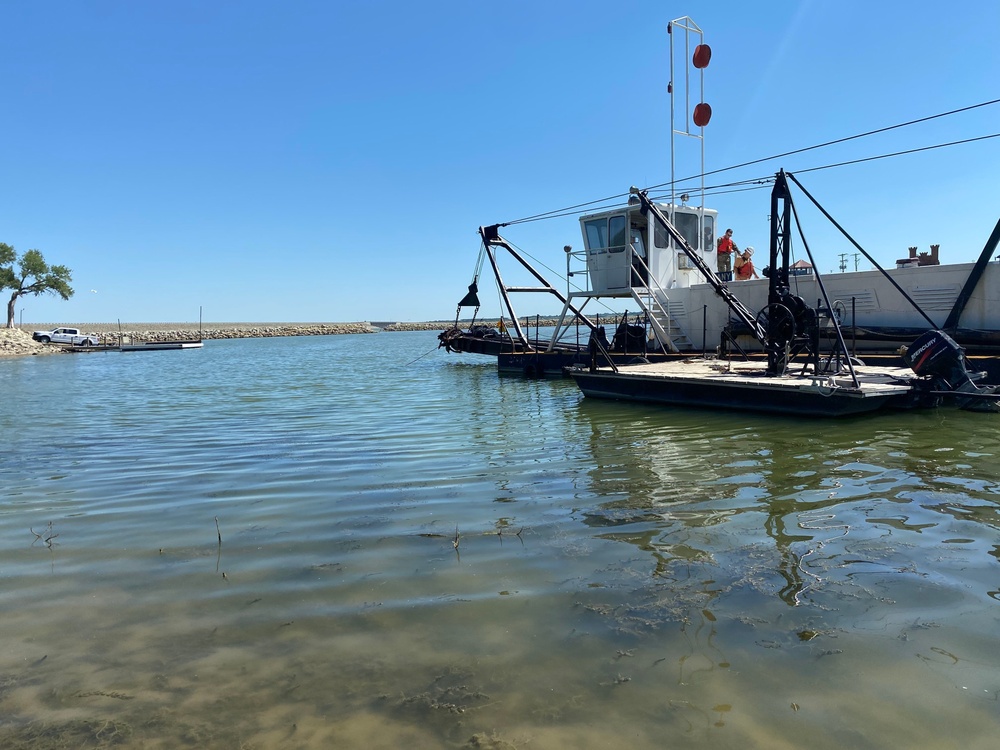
(662, 336)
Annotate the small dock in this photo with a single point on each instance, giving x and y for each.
(78, 349)
(149, 346)
(154, 346)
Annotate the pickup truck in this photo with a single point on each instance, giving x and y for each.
(66, 336)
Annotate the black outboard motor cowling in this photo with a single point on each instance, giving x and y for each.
(935, 353)
(936, 356)
(597, 344)
(629, 338)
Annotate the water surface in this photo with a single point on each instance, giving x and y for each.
(415, 552)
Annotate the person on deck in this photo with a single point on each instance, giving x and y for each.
(725, 249)
(744, 266)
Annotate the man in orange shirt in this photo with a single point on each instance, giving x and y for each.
(744, 266)
(726, 247)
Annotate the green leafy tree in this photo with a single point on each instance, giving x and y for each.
(30, 274)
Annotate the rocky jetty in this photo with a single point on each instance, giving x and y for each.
(16, 343)
(237, 331)
(436, 326)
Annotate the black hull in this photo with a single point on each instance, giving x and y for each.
(490, 344)
(730, 396)
(555, 364)
(488, 347)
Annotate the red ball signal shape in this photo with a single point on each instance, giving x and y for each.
(702, 114)
(702, 56)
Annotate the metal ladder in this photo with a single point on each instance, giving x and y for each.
(668, 333)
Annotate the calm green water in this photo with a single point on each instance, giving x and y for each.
(623, 577)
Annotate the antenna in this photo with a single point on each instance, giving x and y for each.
(700, 115)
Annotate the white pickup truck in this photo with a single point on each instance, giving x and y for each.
(66, 336)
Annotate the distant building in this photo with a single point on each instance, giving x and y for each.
(800, 268)
(920, 259)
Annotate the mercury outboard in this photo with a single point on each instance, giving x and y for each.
(936, 357)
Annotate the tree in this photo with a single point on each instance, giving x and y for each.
(30, 274)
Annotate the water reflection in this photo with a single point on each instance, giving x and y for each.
(674, 476)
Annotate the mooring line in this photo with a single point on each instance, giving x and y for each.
(422, 356)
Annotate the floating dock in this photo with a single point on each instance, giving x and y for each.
(746, 386)
(152, 346)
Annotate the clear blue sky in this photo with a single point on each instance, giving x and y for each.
(332, 161)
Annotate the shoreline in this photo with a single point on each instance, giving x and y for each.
(17, 341)
(250, 329)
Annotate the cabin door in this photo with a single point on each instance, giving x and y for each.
(619, 263)
(640, 260)
(608, 256)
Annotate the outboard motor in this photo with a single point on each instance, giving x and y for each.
(597, 344)
(935, 353)
(937, 356)
(629, 338)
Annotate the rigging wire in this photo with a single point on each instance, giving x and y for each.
(843, 140)
(580, 208)
(756, 183)
(741, 186)
(899, 153)
(567, 211)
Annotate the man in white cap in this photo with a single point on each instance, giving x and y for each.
(744, 266)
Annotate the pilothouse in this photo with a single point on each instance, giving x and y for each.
(624, 250)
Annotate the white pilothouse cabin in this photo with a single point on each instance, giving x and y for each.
(628, 256)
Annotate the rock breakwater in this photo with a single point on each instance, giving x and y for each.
(17, 342)
(248, 331)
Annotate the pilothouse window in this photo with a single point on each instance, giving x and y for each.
(709, 232)
(597, 235)
(607, 235)
(617, 225)
(660, 236)
(687, 225)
